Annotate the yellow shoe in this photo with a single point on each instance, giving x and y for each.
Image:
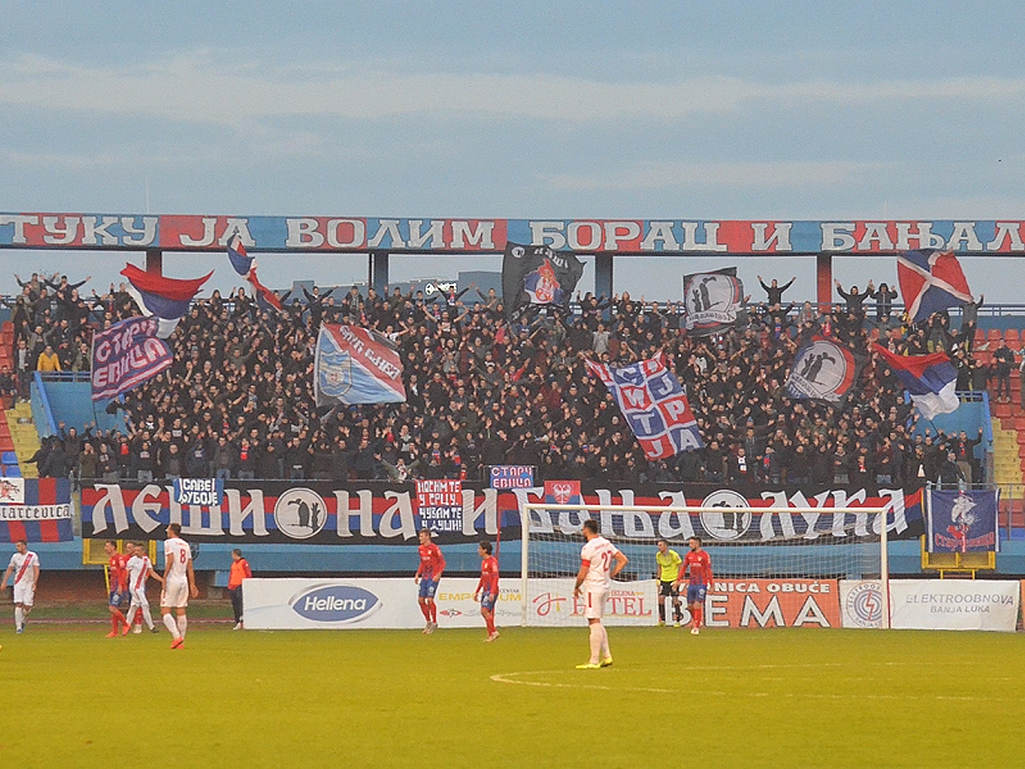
(607, 662)
(589, 666)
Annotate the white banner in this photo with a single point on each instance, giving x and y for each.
(551, 602)
(933, 604)
(861, 603)
(299, 604)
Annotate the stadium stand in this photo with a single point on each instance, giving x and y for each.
(483, 390)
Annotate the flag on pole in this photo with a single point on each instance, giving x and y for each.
(931, 281)
(245, 265)
(167, 299)
(929, 379)
(538, 275)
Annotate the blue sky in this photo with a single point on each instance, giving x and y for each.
(571, 109)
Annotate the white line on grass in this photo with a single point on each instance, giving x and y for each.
(513, 678)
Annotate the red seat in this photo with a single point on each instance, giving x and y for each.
(1019, 425)
(1001, 410)
(1013, 336)
(993, 334)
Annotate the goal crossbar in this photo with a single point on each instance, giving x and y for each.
(884, 563)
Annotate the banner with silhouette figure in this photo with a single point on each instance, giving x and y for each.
(824, 370)
(714, 301)
(380, 513)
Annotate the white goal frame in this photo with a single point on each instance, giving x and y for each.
(527, 507)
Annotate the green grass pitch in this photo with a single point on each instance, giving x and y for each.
(774, 698)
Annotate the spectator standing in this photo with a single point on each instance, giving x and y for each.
(774, 292)
(1004, 360)
(970, 320)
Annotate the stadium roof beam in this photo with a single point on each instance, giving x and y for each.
(380, 237)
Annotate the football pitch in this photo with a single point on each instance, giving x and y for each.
(773, 698)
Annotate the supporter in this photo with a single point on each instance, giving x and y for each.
(854, 299)
(1003, 360)
(774, 292)
(238, 402)
(948, 474)
(87, 463)
(884, 297)
(969, 320)
(48, 360)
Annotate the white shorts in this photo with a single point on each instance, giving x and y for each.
(175, 595)
(139, 597)
(594, 602)
(24, 593)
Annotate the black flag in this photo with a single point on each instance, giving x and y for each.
(538, 275)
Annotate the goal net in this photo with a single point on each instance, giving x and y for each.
(757, 552)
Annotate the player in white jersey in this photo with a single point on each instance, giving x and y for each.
(179, 584)
(139, 570)
(25, 567)
(595, 576)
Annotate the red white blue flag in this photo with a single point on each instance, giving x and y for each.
(35, 510)
(164, 298)
(929, 379)
(356, 365)
(931, 281)
(126, 355)
(654, 405)
(245, 265)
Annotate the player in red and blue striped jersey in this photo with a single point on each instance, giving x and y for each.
(699, 565)
(432, 564)
(487, 588)
(119, 595)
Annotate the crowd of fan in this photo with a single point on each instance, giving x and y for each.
(484, 390)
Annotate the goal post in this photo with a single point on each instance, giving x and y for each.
(836, 543)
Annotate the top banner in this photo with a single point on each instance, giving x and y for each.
(205, 232)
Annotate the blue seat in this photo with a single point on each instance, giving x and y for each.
(11, 471)
(9, 458)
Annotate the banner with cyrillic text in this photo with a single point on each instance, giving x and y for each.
(370, 512)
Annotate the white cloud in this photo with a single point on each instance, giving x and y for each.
(200, 88)
(677, 174)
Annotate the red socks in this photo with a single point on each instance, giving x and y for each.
(425, 610)
(116, 620)
(489, 620)
(433, 607)
(699, 613)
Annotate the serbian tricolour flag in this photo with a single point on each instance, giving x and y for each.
(651, 399)
(929, 380)
(164, 298)
(245, 266)
(38, 510)
(930, 281)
